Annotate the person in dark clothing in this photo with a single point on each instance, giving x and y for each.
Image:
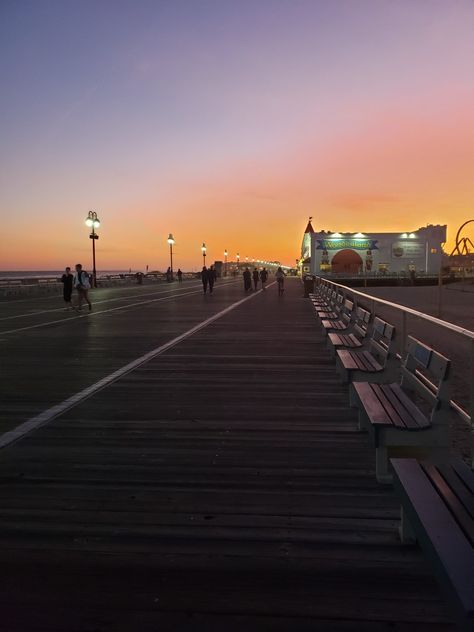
(205, 278)
(212, 276)
(67, 281)
(247, 280)
(256, 278)
(263, 277)
(180, 275)
(169, 276)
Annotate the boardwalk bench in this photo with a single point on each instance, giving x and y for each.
(344, 320)
(393, 414)
(322, 301)
(333, 309)
(373, 363)
(438, 511)
(353, 339)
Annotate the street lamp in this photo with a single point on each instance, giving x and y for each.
(171, 242)
(204, 250)
(92, 221)
(225, 262)
(238, 262)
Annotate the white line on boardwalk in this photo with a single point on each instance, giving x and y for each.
(55, 411)
(70, 319)
(107, 300)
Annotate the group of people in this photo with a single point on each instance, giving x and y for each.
(81, 282)
(169, 275)
(255, 276)
(208, 278)
(261, 277)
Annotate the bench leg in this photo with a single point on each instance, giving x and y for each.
(381, 465)
(407, 535)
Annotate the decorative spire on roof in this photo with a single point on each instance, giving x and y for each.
(309, 227)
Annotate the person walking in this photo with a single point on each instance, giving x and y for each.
(263, 277)
(212, 276)
(280, 277)
(180, 275)
(204, 279)
(67, 281)
(168, 275)
(256, 278)
(247, 280)
(82, 285)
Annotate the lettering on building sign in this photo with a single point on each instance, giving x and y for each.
(408, 249)
(354, 244)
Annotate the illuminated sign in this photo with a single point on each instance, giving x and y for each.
(353, 244)
(408, 249)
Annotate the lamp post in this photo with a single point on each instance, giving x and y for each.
(171, 242)
(238, 262)
(225, 262)
(93, 222)
(204, 250)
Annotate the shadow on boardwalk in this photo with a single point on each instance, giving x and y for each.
(222, 486)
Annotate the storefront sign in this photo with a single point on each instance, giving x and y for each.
(408, 249)
(353, 244)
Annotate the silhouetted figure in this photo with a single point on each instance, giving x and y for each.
(180, 275)
(82, 285)
(263, 277)
(247, 280)
(212, 276)
(256, 278)
(169, 276)
(67, 281)
(204, 279)
(280, 277)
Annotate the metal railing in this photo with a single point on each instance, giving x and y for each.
(466, 334)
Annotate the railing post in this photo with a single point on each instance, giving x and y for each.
(404, 333)
(471, 401)
(440, 290)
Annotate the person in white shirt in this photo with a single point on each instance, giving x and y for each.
(82, 285)
(280, 277)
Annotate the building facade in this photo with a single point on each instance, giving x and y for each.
(328, 253)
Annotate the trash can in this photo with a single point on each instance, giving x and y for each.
(308, 284)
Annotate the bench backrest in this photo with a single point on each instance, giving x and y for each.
(426, 372)
(347, 310)
(381, 343)
(361, 323)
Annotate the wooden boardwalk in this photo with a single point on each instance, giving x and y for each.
(221, 486)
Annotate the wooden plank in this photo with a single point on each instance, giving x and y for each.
(415, 412)
(440, 536)
(460, 513)
(373, 407)
(233, 456)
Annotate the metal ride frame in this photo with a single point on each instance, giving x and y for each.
(463, 244)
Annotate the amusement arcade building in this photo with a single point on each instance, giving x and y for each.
(327, 252)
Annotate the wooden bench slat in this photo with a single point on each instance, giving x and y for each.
(375, 412)
(453, 503)
(398, 402)
(439, 534)
(458, 485)
(347, 360)
(465, 474)
(421, 420)
(375, 365)
(358, 360)
(395, 418)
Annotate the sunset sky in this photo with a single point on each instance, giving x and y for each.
(229, 122)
